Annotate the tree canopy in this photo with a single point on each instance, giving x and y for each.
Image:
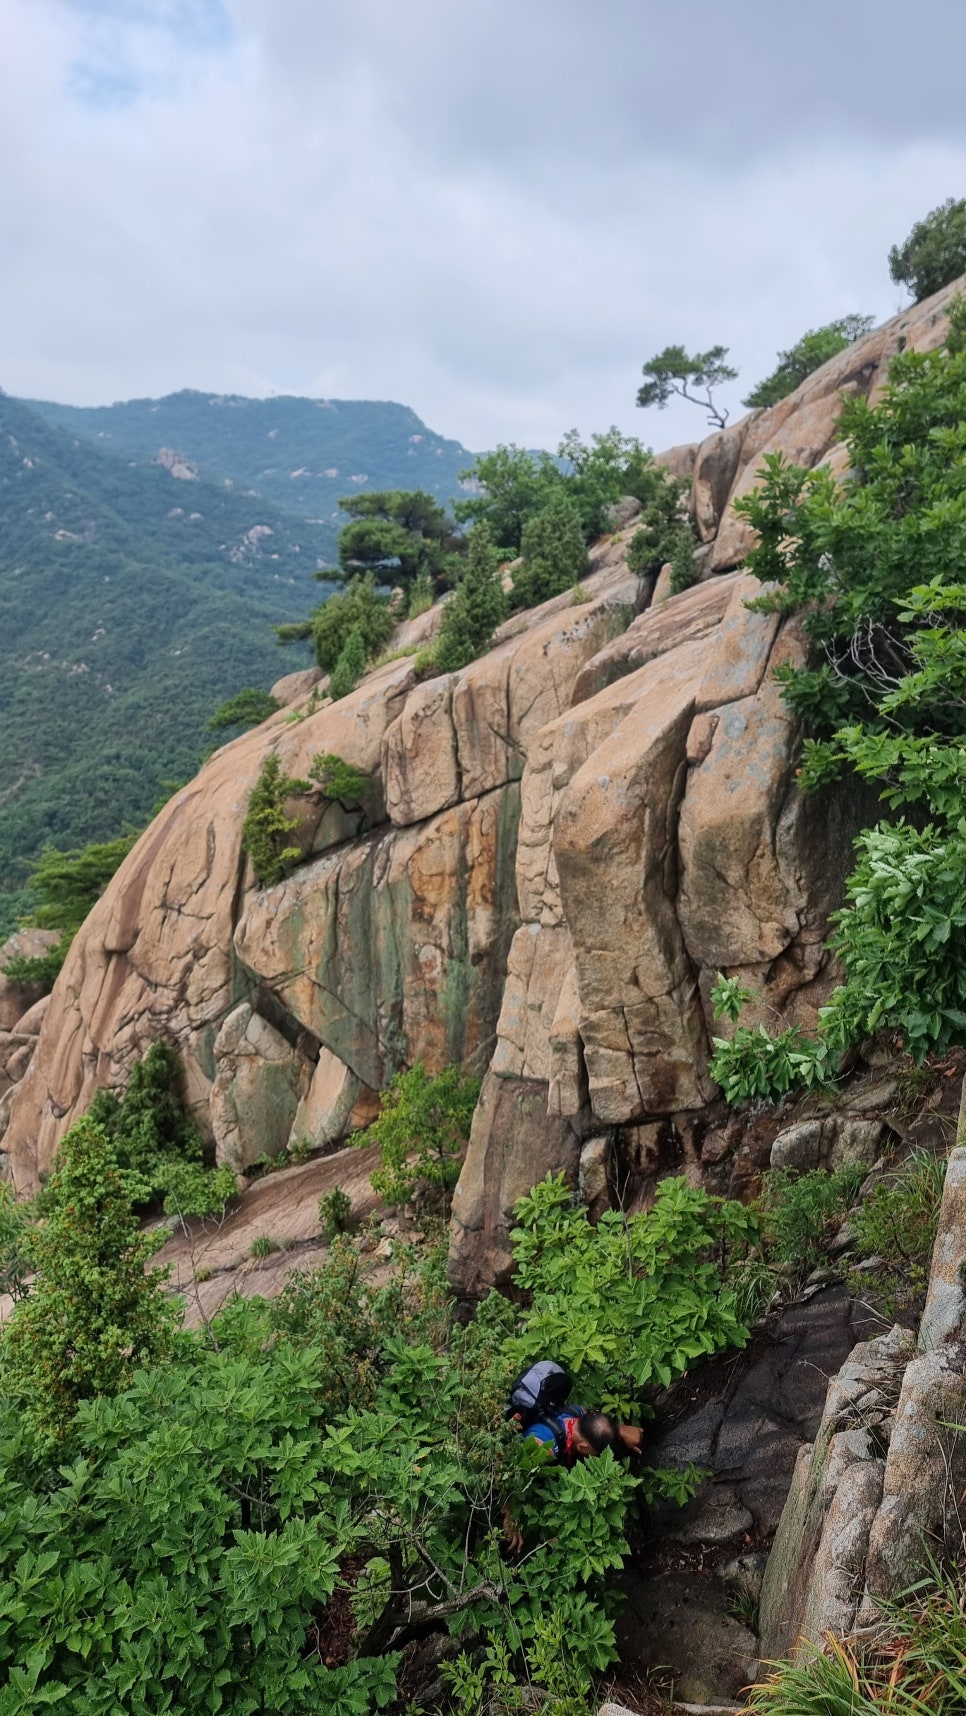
(807, 354)
(673, 371)
(935, 251)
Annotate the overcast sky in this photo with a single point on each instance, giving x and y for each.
(493, 212)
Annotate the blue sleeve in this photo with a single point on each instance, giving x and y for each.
(539, 1433)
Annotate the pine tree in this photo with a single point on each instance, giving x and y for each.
(479, 605)
(350, 666)
(554, 553)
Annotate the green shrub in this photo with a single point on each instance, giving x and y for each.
(422, 1126)
(934, 254)
(350, 666)
(335, 1213)
(801, 1213)
(263, 1246)
(341, 782)
(93, 1315)
(554, 554)
(157, 1148)
(421, 596)
(897, 1223)
(753, 1066)
(665, 533)
(398, 536)
(807, 355)
(359, 607)
(15, 1260)
(248, 708)
(68, 885)
(267, 827)
(873, 567)
(628, 1304)
(477, 607)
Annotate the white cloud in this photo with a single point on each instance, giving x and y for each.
(493, 213)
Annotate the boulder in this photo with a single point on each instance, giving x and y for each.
(292, 687)
(622, 513)
(815, 1572)
(259, 1080)
(513, 1144)
(925, 1474)
(679, 460)
(944, 1316)
(431, 906)
(17, 997)
(335, 1104)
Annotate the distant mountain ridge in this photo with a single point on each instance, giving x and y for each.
(301, 454)
(141, 572)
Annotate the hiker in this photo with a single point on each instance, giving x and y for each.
(567, 1432)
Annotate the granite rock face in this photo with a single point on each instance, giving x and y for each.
(561, 846)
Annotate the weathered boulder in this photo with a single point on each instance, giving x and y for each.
(816, 1570)
(17, 997)
(925, 1474)
(335, 1104)
(259, 1080)
(944, 1316)
(513, 1144)
(392, 949)
(292, 687)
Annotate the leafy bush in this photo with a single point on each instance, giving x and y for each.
(554, 554)
(335, 1213)
(359, 607)
(629, 1304)
(753, 1066)
(92, 1316)
(807, 355)
(422, 1126)
(512, 486)
(873, 567)
(800, 1213)
(68, 885)
(897, 1223)
(350, 666)
(247, 708)
(343, 1450)
(902, 941)
(478, 606)
(935, 251)
(267, 827)
(341, 782)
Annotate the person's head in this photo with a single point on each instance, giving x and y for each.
(593, 1432)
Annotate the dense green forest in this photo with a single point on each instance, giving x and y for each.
(303, 454)
(133, 601)
(124, 620)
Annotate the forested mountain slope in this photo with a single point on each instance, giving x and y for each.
(303, 454)
(131, 603)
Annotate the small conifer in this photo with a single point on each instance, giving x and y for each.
(350, 666)
(478, 606)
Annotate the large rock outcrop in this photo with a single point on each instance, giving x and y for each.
(562, 845)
